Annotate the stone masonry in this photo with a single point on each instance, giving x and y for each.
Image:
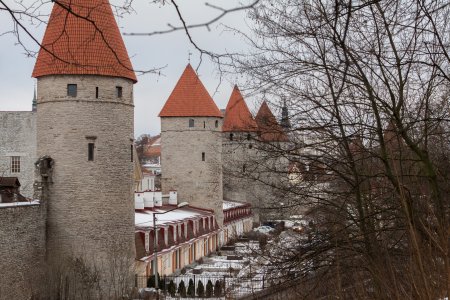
(22, 242)
(18, 138)
(197, 182)
(90, 207)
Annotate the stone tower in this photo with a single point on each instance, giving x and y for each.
(239, 138)
(191, 153)
(85, 124)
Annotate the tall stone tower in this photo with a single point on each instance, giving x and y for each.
(191, 153)
(85, 124)
(239, 139)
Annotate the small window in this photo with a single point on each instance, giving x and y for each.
(91, 147)
(96, 92)
(131, 153)
(15, 164)
(204, 124)
(119, 91)
(191, 122)
(231, 136)
(203, 156)
(250, 146)
(249, 137)
(72, 90)
(216, 124)
(244, 168)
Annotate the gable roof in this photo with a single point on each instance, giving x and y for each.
(82, 38)
(190, 98)
(9, 182)
(237, 114)
(269, 129)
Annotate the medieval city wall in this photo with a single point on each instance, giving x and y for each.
(22, 242)
(18, 138)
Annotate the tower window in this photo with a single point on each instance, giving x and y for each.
(248, 137)
(72, 90)
(216, 124)
(96, 92)
(119, 91)
(231, 136)
(204, 124)
(191, 122)
(15, 164)
(244, 168)
(91, 147)
(250, 146)
(132, 158)
(203, 156)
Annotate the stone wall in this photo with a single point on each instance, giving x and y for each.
(90, 206)
(18, 138)
(22, 243)
(197, 182)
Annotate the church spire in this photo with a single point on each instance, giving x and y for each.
(285, 123)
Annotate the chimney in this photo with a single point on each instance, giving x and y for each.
(138, 201)
(173, 199)
(148, 200)
(158, 199)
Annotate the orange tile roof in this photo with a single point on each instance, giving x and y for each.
(83, 39)
(189, 98)
(269, 129)
(237, 114)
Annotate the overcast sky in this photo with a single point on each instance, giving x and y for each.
(170, 50)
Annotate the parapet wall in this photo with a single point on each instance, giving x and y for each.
(22, 245)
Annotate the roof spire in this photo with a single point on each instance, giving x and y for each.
(34, 103)
(285, 122)
(82, 38)
(269, 129)
(237, 114)
(190, 98)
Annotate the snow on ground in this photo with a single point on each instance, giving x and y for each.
(14, 204)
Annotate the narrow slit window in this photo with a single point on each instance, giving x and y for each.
(96, 92)
(244, 167)
(191, 122)
(204, 124)
(72, 90)
(231, 136)
(203, 156)
(131, 154)
(91, 147)
(249, 137)
(216, 124)
(119, 91)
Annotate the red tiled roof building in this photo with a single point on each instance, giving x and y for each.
(82, 38)
(190, 98)
(237, 115)
(268, 127)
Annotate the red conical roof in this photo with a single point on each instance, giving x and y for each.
(189, 98)
(82, 38)
(237, 114)
(270, 130)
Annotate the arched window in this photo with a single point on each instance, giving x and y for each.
(191, 122)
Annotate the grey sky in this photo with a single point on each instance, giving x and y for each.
(171, 49)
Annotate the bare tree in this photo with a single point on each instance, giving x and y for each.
(367, 87)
